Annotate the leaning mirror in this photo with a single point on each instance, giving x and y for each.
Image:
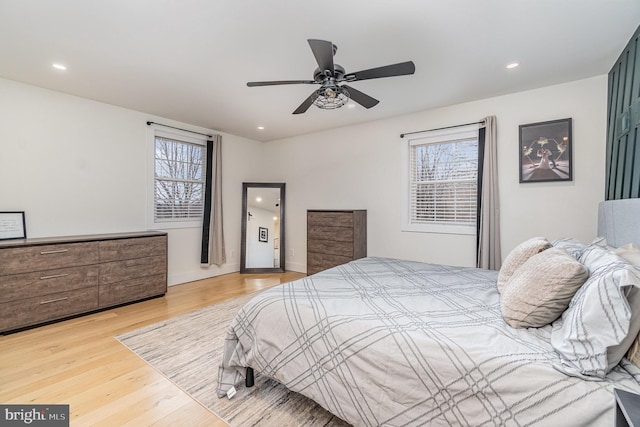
(262, 245)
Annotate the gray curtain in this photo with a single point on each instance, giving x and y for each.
(213, 251)
(488, 253)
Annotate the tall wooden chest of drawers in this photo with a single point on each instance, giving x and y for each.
(48, 279)
(335, 237)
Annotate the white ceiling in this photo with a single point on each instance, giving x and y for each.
(189, 60)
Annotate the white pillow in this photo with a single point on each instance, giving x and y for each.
(518, 256)
(541, 289)
(603, 317)
(630, 252)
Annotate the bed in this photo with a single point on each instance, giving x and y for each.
(382, 341)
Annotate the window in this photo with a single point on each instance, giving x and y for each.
(442, 184)
(179, 173)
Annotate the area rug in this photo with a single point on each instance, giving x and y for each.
(188, 350)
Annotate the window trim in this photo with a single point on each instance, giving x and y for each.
(435, 136)
(152, 132)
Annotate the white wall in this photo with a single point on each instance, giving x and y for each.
(359, 167)
(78, 166)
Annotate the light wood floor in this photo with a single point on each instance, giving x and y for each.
(80, 363)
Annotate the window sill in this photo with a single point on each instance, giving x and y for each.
(174, 225)
(439, 228)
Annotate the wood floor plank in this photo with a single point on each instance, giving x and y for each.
(80, 363)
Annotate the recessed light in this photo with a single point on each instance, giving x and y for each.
(351, 105)
(59, 67)
(260, 127)
(258, 199)
(512, 65)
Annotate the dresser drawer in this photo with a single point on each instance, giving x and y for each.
(115, 250)
(334, 219)
(112, 272)
(318, 262)
(47, 257)
(21, 286)
(132, 290)
(331, 247)
(337, 234)
(35, 310)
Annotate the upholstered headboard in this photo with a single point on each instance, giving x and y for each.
(619, 221)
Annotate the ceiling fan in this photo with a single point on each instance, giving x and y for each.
(330, 76)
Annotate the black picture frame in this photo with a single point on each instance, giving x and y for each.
(546, 151)
(12, 225)
(263, 234)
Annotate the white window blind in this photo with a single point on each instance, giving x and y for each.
(179, 179)
(443, 182)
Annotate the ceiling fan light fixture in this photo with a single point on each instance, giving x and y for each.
(330, 98)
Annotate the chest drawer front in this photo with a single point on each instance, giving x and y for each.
(132, 290)
(337, 234)
(31, 311)
(334, 219)
(331, 247)
(318, 262)
(21, 286)
(47, 257)
(115, 250)
(118, 271)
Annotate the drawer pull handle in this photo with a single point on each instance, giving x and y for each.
(53, 300)
(55, 276)
(54, 252)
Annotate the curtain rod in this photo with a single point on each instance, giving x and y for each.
(172, 127)
(402, 135)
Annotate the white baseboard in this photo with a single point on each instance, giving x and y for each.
(191, 276)
(296, 266)
(204, 273)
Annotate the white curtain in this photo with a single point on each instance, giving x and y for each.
(213, 251)
(488, 253)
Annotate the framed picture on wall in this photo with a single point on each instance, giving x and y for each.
(263, 234)
(546, 151)
(12, 225)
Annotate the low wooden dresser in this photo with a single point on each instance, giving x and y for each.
(48, 279)
(335, 237)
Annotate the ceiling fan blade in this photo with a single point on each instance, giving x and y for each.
(281, 82)
(306, 104)
(401, 69)
(323, 51)
(361, 98)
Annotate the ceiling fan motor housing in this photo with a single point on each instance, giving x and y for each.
(321, 75)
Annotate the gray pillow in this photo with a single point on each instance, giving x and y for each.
(541, 289)
(571, 245)
(603, 317)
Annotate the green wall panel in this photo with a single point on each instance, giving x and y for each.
(623, 123)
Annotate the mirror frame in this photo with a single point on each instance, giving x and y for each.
(243, 241)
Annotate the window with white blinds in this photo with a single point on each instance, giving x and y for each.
(179, 180)
(443, 182)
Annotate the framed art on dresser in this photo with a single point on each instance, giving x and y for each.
(12, 225)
